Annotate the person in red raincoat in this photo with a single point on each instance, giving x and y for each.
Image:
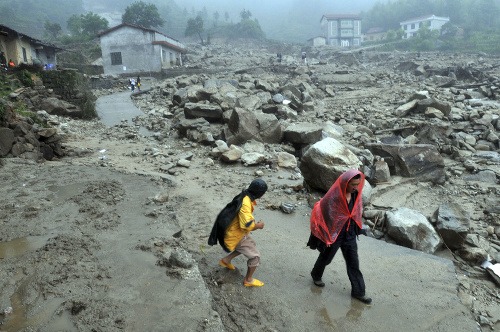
(336, 223)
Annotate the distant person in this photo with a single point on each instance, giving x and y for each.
(232, 230)
(336, 223)
(304, 57)
(132, 84)
(3, 60)
(11, 63)
(279, 56)
(138, 83)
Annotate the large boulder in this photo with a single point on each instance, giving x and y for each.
(270, 129)
(242, 127)
(209, 112)
(246, 125)
(420, 161)
(249, 103)
(303, 133)
(6, 141)
(411, 229)
(57, 106)
(452, 224)
(324, 161)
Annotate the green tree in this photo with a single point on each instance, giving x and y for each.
(74, 25)
(216, 18)
(52, 30)
(143, 14)
(245, 14)
(92, 24)
(425, 40)
(195, 27)
(87, 26)
(247, 28)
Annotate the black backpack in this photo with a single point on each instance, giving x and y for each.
(224, 219)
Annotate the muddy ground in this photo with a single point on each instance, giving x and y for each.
(104, 240)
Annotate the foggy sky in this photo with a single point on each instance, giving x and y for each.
(275, 16)
(266, 7)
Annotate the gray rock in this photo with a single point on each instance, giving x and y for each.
(181, 258)
(411, 229)
(421, 161)
(6, 141)
(286, 160)
(252, 158)
(382, 173)
(207, 111)
(303, 133)
(452, 224)
(324, 161)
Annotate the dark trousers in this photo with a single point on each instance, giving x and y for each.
(349, 250)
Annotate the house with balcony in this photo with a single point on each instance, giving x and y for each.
(342, 30)
(132, 49)
(412, 25)
(22, 48)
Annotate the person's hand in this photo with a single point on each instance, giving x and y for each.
(259, 225)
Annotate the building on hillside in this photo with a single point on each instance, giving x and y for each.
(342, 30)
(374, 34)
(130, 49)
(433, 22)
(317, 41)
(22, 48)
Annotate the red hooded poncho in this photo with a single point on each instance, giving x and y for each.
(331, 212)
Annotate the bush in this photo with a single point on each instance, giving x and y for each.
(25, 77)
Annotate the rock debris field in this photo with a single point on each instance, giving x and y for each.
(104, 223)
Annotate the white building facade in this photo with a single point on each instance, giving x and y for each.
(131, 49)
(433, 22)
(342, 30)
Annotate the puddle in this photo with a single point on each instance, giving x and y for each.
(20, 246)
(17, 319)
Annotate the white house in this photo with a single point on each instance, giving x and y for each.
(342, 30)
(433, 22)
(130, 49)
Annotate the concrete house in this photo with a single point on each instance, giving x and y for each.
(22, 48)
(130, 49)
(342, 30)
(375, 34)
(433, 22)
(317, 41)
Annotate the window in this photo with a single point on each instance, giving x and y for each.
(346, 24)
(25, 56)
(413, 26)
(116, 58)
(163, 55)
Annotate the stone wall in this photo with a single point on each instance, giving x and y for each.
(72, 87)
(86, 69)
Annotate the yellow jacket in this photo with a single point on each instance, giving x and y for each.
(241, 225)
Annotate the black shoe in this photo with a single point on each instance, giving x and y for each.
(365, 299)
(319, 283)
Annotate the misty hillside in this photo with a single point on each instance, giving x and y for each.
(282, 20)
(292, 20)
